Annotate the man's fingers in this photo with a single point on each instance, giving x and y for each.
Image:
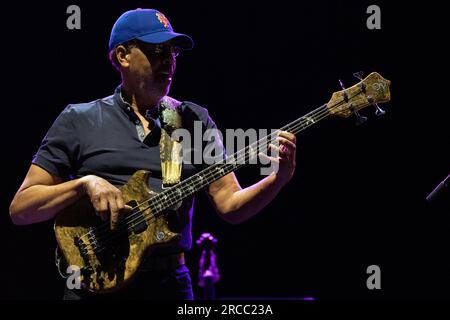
(118, 211)
(102, 209)
(279, 153)
(274, 148)
(112, 209)
(124, 212)
(282, 151)
(119, 201)
(127, 209)
(288, 135)
(114, 213)
(268, 159)
(288, 143)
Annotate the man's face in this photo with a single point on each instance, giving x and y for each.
(152, 66)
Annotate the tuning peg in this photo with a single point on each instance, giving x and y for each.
(343, 89)
(359, 118)
(358, 75)
(378, 110)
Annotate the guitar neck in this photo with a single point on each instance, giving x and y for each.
(191, 185)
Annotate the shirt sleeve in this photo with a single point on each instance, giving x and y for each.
(59, 148)
(212, 148)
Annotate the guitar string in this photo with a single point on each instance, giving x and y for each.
(103, 236)
(114, 235)
(154, 213)
(163, 195)
(170, 200)
(109, 236)
(298, 124)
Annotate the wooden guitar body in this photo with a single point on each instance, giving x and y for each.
(107, 259)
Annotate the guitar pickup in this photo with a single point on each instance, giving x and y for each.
(141, 224)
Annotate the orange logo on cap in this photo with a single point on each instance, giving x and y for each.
(162, 18)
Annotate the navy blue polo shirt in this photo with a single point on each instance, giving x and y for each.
(103, 138)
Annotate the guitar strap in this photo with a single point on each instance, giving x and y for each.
(170, 150)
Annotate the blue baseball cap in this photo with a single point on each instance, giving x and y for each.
(146, 25)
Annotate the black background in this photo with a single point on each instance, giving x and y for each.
(358, 194)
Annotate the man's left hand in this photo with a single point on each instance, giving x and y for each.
(286, 159)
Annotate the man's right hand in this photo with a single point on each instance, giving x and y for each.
(106, 199)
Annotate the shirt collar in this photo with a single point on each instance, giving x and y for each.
(151, 113)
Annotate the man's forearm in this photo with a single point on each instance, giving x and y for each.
(40, 202)
(249, 201)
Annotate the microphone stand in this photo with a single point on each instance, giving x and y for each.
(439, 190)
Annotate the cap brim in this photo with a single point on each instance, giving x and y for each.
(183, 41)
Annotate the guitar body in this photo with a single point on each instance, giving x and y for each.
(108, 260)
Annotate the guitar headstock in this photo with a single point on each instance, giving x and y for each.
(371, 90)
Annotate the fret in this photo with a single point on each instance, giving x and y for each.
(191, 185)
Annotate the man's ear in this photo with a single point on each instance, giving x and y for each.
(122, 55)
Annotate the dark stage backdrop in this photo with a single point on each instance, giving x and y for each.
(358, 195)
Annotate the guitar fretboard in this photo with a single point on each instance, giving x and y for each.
(191, 185)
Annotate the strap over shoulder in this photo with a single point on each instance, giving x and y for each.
(170, 150)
